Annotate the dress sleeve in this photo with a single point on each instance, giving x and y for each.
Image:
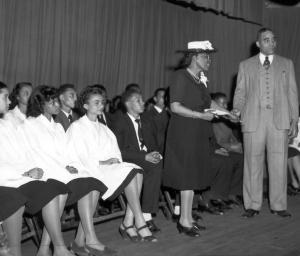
(177, 89)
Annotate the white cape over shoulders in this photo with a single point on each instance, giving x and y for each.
(90, 142)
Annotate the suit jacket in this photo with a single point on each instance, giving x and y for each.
(159, 123)
(127, 139)
(247, 93)
(64, 121)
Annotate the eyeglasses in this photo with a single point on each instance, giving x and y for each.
(205, 56)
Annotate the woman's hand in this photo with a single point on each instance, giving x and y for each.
(110, 161)
(71, 169)
(205, 115)
(35, 173)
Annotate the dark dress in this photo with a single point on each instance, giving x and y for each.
(187, 157)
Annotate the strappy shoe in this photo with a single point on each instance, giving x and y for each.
(125, 235)
(78, 250)
(105, 252)
(150, 238)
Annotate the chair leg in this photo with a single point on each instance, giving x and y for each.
(169, 201)
(32, 230)
(164, 206)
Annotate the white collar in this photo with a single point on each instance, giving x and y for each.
(67, 114)
(262, 58)
(132, 118)
(159, 110)
(18, 113)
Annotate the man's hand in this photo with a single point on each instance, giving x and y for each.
(71, 169)
(153, 157)
(236, 147)
(222, 152)
(293, 132)
(35, 173)
(110, 161)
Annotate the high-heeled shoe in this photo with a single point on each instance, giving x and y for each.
(105, 252)
(150, 238)
(189, 231)
(198, 226)
(126, 236)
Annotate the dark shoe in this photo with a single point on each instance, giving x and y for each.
(78, 250)
(175, 217)
(150, 238)
(198, 226)
(106, 252)
(102, 211)
(210, 209)
(218, 203)
(292, 191)
(193, 232)
(152, 227)
(283, 214)
(196, 215)
(249, 213)
(125, 235)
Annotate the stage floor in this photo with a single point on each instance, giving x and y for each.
(226, 235)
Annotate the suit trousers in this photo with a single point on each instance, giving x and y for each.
(151, 186)
(267, 138)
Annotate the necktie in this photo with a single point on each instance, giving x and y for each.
(266, 63)
(70, 118)
(140, 132)
(101, 119)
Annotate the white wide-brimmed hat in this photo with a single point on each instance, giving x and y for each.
(200, 46)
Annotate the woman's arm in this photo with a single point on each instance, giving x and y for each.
(181, 110)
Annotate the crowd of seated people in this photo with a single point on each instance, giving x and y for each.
(59, 148)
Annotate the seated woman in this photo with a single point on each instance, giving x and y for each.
(22, 183)
(46, 141)
(294, 164)
(94, 146)
(19, 98)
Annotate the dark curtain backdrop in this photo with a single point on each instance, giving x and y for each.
(115, 42)
(286, 25)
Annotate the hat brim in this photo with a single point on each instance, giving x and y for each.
(198, 51)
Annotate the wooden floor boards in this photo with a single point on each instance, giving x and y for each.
(264, 235)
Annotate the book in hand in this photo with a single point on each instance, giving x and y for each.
(217, 112)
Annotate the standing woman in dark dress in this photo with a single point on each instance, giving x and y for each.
(187, 158)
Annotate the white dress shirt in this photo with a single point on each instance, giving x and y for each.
(136, 127)
(262, 58)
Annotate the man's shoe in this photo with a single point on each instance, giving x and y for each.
(283, 214)
(218, 203)
(210, 209)
(152, 227)
(249, 213)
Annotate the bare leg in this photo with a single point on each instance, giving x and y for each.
(186, 208)
(86, 212)
(296, 167)
(132, 193)
(80, 236)
(13, 229)
(44, 249)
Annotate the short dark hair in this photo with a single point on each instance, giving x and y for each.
(218, 95)
(64, 87)
(159, 90)
(40, 95)
(86, 94)
(15, 92)
(3, 86)
(186, 60)
(99, 86)
(133, 86)
(263, 30)
(127, 95)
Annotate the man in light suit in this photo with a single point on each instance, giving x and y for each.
(266, 98)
